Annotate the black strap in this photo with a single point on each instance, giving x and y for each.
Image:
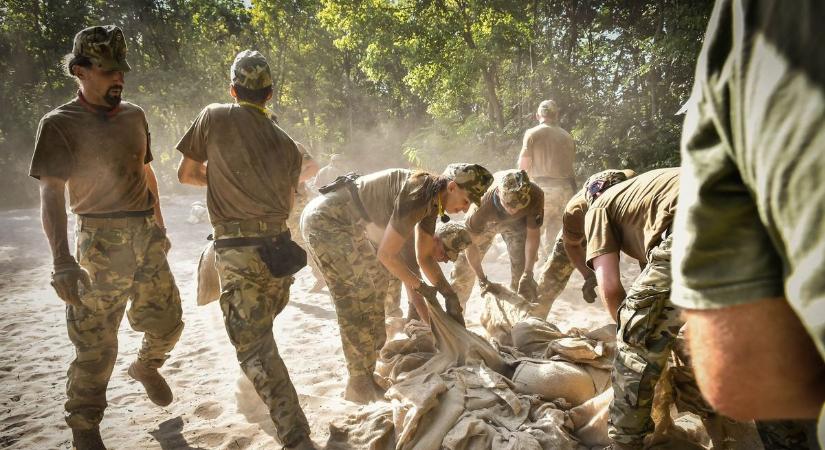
(119, 214)
(256, 241)
(348, 180)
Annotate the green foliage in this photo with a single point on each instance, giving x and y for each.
(388, 82)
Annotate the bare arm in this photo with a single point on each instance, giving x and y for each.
(152, 180)
(531, 248)
(389, 253)
(424, 251)
(309, 168)
(473, 255)
(525, 162)
(576, 254)
(53, 216)
(755, 361)
(192, 172)
(609, 280)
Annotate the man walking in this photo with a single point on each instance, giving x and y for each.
(98, 147)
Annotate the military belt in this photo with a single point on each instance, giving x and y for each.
(248, 226)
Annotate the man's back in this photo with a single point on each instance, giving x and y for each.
(253, 165)
(552, 151)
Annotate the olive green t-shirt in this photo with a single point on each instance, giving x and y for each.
(572, 221)
(253, 165)
(100, 156)
(631, 216)
(490, 211)
(552, 150)
(391, 196)
(750, 224)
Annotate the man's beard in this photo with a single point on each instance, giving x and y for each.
(113, 99)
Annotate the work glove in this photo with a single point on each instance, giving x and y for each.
(167, 244)
(589, 288)
(527, 287)
(488, 286)
(430, 293)
(65, 279)
(454, 307)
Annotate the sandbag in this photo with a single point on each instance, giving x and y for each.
(501, 311)
(552, 380)
(209, 283)
(588, 421)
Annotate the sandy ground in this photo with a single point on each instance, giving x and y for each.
(215, 406)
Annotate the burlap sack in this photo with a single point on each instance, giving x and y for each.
(209, 283)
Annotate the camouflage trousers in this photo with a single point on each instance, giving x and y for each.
(126, 260)
(294, 224)
(553, 278)
(648, 325)
(357, 281)
(556, 195)
(514, 237)
(250, 300)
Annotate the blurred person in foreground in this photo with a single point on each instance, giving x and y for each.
(750, 229)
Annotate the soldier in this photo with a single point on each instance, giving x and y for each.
(396, 202)
(570, 245)
(98, 147)
(635, 217)
(547, 154)
(514, 208)
(331, 171)
(748, 264)
(253, 171)
(303, 194)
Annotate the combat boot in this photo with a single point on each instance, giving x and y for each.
(156, 388)
(87, 439)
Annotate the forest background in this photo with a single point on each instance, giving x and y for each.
(406, 83)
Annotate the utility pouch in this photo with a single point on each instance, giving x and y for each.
(282, 256)
(339, 182)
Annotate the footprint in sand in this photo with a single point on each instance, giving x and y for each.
(209, 410)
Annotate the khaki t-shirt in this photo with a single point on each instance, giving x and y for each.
(490, 212)
(253, 164)
(572, 221)
(631, 216)
(102, 157)
(387, 196)
(552, 150)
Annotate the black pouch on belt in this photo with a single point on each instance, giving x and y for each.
(282, 256)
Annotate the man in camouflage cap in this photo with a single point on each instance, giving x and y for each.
(569, 247)
(473, 178)
(98, 148)
(513, 207)
(254, 170)
(452, 238)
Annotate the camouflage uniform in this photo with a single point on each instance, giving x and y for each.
(250, 184)
(126, 259)
(555, 273)
(251, 298)
(357, 281)
(556, 195)
(648, 325)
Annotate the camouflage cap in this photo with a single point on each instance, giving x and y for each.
(455, 237)
(598, 183)
(548, 108)
(104, 45)
(473, 178)
(250, 70)
(514, 189)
